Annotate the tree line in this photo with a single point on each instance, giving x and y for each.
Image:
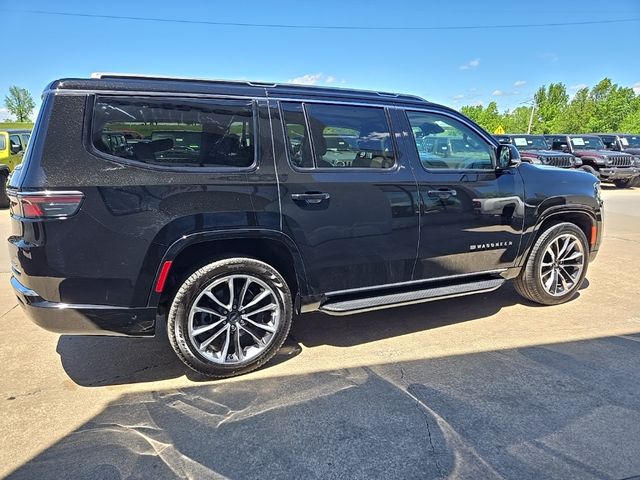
(606, 107)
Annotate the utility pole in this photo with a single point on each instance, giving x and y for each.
(533, 108)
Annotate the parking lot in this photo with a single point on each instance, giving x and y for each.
(478, 387)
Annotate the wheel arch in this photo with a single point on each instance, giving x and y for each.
(191, 252)
(581, 216)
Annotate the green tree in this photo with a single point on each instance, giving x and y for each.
(550, 102)
(20, 103)
(611, 104)
(517, 120)
(578, 114)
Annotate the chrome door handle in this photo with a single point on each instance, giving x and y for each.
(311, 197)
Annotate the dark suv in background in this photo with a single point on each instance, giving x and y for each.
(627, 143)
(534, 149)
(235, 205)
(615, 167)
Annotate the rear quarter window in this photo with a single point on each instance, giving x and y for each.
(175, 132)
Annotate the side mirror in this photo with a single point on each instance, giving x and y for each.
(508, 155)
(15, 148)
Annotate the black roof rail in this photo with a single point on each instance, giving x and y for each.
(251, 83)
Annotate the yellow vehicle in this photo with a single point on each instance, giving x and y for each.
(13, 143)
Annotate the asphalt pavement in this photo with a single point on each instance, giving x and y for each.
(487, 386)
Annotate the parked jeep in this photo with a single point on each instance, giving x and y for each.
(272, 215)
(13, 143)
(534, 149)
(624, 142)
(618, 168)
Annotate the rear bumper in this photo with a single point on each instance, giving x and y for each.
(615, 173)
(84, 319)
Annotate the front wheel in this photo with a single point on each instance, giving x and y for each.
(556, 265)
(230, 317)
(591, 170)
(626, 183)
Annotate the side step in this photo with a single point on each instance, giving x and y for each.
(366, 304)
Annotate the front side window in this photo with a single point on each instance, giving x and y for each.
(346, 136)
(445, 143)
(175, 133)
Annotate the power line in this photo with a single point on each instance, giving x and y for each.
(323, 27)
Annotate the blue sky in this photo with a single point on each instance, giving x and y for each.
(453, 67)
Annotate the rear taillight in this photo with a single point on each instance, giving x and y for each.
(45, 204)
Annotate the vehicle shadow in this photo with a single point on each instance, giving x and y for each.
(99, 361)
(565, 410)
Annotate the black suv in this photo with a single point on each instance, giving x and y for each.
(534, 149)
(618, 168)
(269, 200)
(624, 142)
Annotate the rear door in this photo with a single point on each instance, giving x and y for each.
(472, 215)
(348, 201)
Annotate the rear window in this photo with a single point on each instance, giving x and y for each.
(175, 133)
(346, 136)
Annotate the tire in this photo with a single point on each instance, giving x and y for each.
(256, 348)
(529, 283)
(4, 199)
(591, 170)
(635, 182)
(626, 183)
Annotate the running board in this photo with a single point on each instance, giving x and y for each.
(366, 304)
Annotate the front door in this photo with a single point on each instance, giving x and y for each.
(471, 215)
(348, 201)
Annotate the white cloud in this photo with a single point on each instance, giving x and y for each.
(497, 93)
(460, 96)
(315, 79)
(636, 88)
(4, 114)
(519, 83)
(578, 86)
(470, 64)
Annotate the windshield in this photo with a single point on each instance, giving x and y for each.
(530, 142)
(587, 143)
(630, 141)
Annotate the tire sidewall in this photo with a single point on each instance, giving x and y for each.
(545, 240)
(177, 327)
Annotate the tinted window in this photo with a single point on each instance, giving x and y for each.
(175, 132)
(3, 142)
(347, 136)
(445, 143)
(297, 135)
(15, 141)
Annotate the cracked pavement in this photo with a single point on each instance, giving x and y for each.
(477, 387)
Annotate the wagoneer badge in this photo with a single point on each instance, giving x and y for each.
(489, 246)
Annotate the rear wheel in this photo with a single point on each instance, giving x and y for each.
(626, 183)
(230, 317)
(556, 265)
(4, 199)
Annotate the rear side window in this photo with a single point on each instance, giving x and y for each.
(345, 136)
(297, 134)
(3, 142)
(175, 133)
